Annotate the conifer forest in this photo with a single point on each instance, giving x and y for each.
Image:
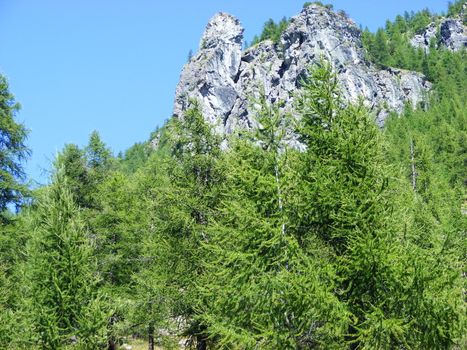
(316, 228)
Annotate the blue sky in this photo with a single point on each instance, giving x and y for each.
(113, 65)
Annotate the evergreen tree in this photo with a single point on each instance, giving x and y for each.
(380, 50)
(73, 162)
(180, 186)
(118, 226)
(85, 169)
(98, 156)
(13, 152)
(355, 241)
(14, 326)
(456, 8)
(134, 157)
(351, 205)
(261, 290)
(272, 31)
(65, 305)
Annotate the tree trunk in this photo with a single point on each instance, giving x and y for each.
(201, 343)
(151, 336)
(112, 345)
(414, 170)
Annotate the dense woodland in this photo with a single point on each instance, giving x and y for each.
(357, 242)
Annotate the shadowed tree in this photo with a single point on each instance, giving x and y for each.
(13, 152)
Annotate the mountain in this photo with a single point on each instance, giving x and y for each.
(223, 78)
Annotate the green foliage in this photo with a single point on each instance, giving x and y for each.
(344, 142)
(135, 157)
(319, 3)
(456, 8)
(85, 169)
(390, 46)
(353, 208)
(179, 186)
(116, 226)
(63, 301)
(261, 289)
(271, 31)
(13, 152)
(73, 162)
(98, 156)
(357, 241)
(429, 144)
(13, 323)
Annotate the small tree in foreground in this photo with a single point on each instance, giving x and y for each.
(65, 306)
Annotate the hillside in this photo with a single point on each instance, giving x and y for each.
(309, 192)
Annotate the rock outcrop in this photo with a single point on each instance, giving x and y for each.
(210, 76)
(449, 33)
(224, 79)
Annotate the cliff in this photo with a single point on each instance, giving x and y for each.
(223, 78)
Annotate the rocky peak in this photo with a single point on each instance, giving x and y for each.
(222, 29)
(326, 30)
(224, 79)
(210, 74)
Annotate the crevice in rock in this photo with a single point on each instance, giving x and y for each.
(237, 76)
(204, 90)
(284, 67)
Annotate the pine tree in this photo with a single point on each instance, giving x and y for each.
(353, 207)
(180, 185)
(65, 305)
(13, 152)
(260, 289)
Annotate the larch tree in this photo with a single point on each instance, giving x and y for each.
(65, 305)
(350, 198)
(261, 289)
(180, 186)
(13, 192)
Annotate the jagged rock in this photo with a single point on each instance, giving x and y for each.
(210, 75)
(423, 39)
(449, 33)
(224, 79)
(453, 34)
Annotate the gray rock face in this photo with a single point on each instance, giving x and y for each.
(449, 33)
(210, 75)
(423, 39)
(453, 34)
(224, 79)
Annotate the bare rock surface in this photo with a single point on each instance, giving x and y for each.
(224, 79)
(449, 33)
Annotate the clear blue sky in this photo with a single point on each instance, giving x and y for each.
(112, 65)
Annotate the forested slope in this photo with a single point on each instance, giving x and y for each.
(241, 241)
